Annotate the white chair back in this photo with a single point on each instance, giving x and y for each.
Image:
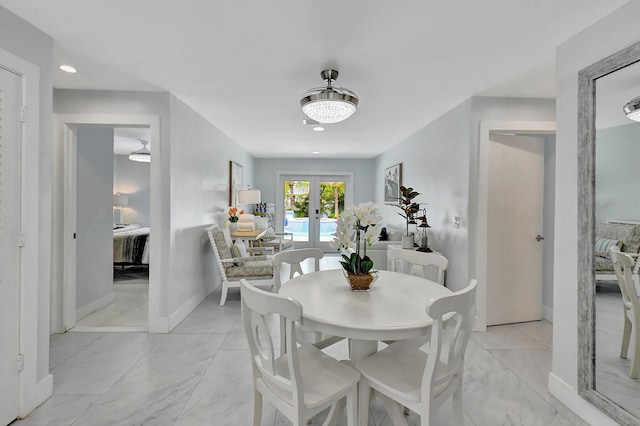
(278, 374)
(439, 375)
(278, 370)
(294, 258)
(411, 258)
(623, 266)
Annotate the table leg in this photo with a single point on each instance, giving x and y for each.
(358, 350)
(361, 349)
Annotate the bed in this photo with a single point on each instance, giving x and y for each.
(131, 245)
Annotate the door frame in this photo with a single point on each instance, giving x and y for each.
(279, 212)
(35, 219)
(63, 305)
(487, 127)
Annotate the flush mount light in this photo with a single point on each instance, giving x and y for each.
(632, 109)
(68, 68)
(329, 104)
(142, 155)
(318, 129)
(316, 152)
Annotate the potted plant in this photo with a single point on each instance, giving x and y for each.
(409, 209)
(357, 228)
(233, 218)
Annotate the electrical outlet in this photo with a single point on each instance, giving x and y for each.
(456, 222)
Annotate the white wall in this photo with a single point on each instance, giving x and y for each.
(134, 179)
(441, 162)
(435, 162)
(591, 45)
(94, 242)
(618, 172)
(32, 45)
(200, 155)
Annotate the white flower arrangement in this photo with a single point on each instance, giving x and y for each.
(359, 225)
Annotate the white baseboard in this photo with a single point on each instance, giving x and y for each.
(547, 313)
(90, 307)
(43, 391)
(570, 398)
(187, 308)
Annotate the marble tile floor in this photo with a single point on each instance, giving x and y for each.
(199, 374)
(128, 312)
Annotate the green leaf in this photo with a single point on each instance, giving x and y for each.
(366, 266)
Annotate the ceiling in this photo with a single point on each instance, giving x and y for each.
(244, 65)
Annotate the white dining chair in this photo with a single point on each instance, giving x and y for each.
(623, 266)
(419, 380)
(299, 380)
(411, 259)
(295, 258)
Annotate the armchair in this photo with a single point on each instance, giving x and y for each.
(257, 269)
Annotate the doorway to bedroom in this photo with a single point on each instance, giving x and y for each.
(112, 256)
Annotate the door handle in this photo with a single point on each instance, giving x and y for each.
(539, 237)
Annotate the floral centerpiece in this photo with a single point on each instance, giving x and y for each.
(357, 228)
(234, 214)
(234, 217)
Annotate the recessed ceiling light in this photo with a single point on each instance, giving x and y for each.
(318, 129)
(68, 68)
(316, 152)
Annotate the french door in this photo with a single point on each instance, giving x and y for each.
(310, 205)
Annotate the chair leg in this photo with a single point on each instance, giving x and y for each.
(223, 295)
(352, 407)
(257, 408)
(626, 336)
(635, 364)
(363, 402)
(458, 412)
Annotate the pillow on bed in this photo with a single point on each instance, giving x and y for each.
(604, 244)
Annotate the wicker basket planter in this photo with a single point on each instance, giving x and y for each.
(360, 282)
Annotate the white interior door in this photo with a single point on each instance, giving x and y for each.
(514, 220)
(10, 202)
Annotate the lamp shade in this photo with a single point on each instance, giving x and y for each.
(120, 200)
(249, 196)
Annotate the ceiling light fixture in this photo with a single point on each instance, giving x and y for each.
(318, 129)
(68, 68)
(632, 109)
(142, 155)
(329, 104)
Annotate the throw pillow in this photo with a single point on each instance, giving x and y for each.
(261, 222)
(269, 234)
(241, 248)
(604, 244)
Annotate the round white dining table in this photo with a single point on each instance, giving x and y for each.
(393, 309)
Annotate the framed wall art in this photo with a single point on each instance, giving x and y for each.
(235, 182)
(392, 182)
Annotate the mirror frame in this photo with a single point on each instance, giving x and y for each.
(586, 229)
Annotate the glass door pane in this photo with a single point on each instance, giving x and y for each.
(296, 209)
(331, 197)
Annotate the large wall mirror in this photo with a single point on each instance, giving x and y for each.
(609, 206)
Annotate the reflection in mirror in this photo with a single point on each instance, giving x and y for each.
(617, 221)
(609, 207)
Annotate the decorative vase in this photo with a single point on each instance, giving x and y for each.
(407, 241)
(360, 282)
(233, 227)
